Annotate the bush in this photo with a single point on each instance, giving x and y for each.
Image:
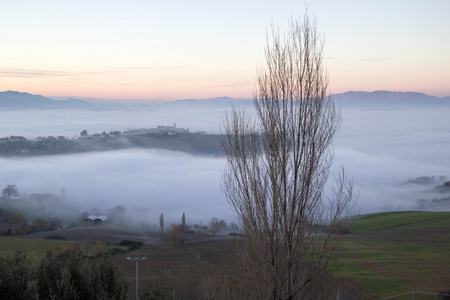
(132, 245)
(178, 234)
(15, 273)
(69, 274)
(55, 237)
(445, 295)
(65, 274)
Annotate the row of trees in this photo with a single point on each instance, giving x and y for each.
(64, 274)
(178, 231)
(13, 223)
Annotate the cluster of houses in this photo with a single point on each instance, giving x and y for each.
(99, 136)
(16, 139)
(50, 138)
(12, 139)
(159, 130)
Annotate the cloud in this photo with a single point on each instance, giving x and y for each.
(229, 85)
(152, 68)
(35, 73)
(45, 73)
(373, 59)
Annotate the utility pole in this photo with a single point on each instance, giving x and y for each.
(137, 260)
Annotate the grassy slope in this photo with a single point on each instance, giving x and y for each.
(396, 252)
(386, 220)
(36, 247)
(33, 247)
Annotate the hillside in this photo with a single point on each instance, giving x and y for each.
(192, 143)
(400, 220)
(390, 100)
(396, 252)
(12, 100)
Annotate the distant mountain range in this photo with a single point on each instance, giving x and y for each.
(378, 99)
(11, 100)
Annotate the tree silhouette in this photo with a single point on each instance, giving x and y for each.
(278, 167)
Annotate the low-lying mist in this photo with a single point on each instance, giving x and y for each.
(384, 151)
(146, 182)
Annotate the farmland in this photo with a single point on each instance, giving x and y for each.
(392, 253)
(387, 254)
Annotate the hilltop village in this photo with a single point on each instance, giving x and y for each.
(165, 137)
(159, 130)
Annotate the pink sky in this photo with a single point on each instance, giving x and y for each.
(178, 50)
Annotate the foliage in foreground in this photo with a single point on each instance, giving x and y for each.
(64, 274)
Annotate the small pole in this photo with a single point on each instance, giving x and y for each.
(414, 294)
(137, 259)
(137, 281)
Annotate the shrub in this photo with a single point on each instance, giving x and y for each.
(55, 237)
(132, 245)
(69, 274)
(15, 273)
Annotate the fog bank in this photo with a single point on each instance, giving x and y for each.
(146, 182)
(380, 149)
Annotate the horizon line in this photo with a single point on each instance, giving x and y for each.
(62, 98)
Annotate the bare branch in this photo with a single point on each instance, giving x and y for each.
(278, 167)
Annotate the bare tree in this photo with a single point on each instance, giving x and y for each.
(10, 191)
(217, 225)
(161, 221)
(278, 167)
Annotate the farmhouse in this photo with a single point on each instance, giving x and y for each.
(93, 220)
(15, 139)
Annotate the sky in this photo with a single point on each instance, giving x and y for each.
(170, 50)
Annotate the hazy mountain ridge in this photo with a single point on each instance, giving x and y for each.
(379, 99)
(12, 100)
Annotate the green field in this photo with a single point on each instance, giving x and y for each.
(417, 219)
(387, 254)
(33, 247)
(396, 252)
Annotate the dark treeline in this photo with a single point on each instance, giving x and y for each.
(193, 143)
(64, 274)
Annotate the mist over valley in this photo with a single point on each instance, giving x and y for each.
(386, 148)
